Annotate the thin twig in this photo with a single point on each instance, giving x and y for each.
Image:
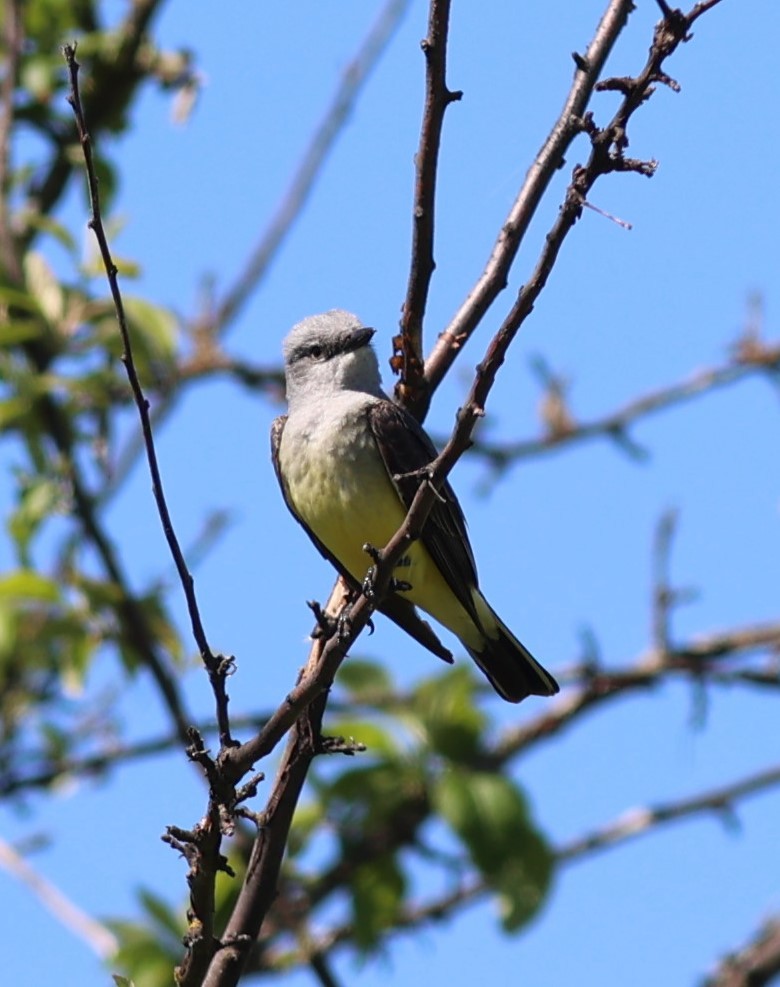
(116, 77)
(218, 320)
(100, 940)
(632, 825)
(757, 963)
(663, 593)
(546, 163)
(409, 348)
(321, 968)
(607, 147)
(764, 359)
(216, 666)
(693, 658)
(639, 822)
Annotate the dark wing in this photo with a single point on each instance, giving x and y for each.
(405, 447)
(400, 611)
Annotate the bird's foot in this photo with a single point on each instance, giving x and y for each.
(395, 585)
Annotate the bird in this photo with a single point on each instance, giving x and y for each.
(343, 455)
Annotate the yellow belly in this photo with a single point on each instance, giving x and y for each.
(341, 490)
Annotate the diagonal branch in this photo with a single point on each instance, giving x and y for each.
(216, 666)
(755, 964)
(548, 160)
(632, 825)
(100, 940)
(754, 359)
(437, 98)
(116, 78)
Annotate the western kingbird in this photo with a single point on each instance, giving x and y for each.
(342, 456)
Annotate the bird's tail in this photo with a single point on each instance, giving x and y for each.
(513, 671)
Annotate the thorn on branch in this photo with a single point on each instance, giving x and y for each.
(667, 80)
(581, 61)
(249, 789)
(625, 85)
(325, 623)
(646, 168)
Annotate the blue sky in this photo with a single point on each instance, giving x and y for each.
(564, 542)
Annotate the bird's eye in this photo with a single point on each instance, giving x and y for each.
(315, 352)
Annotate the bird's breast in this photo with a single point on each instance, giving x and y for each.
(338, 484)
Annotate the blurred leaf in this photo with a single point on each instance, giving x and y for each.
(16, 298)
(45, 224)
(13, 411)
(162, 626)
(376, 795)
(40, 498)
(20, 331)
(41, 75)
(149, 959)
(377, 896)
(44, 286)
(376, 739)
(155, 326)
(490, 816)
(25, 584)
(307, 819)
(164, 916)
(452, 722)
(364, 680)
(127, 268)
(122, 981)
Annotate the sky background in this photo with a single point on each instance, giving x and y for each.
(563, 544)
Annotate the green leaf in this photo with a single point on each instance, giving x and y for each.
(44, 286)
(41, 497)
(45, 224)
(154, 326)
(121, 981)
(25, 584)
(364, 680)
(144, 954)
(13, 411)
(490, 816)
(161, 913)
(377, 895)
(371, 794)
(450, 719)
(15, 298)
(307, 819)
(377, 740)
(20, 331)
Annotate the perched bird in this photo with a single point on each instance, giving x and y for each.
(340, 456)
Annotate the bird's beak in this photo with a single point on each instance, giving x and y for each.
(359, 338)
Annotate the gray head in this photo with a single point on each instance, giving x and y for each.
(328, 353)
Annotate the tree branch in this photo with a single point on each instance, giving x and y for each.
(755, 964)
(632, 825)
(217, 666)
(546, 163)
(407, 356)
(752, 357)
(100, 940)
